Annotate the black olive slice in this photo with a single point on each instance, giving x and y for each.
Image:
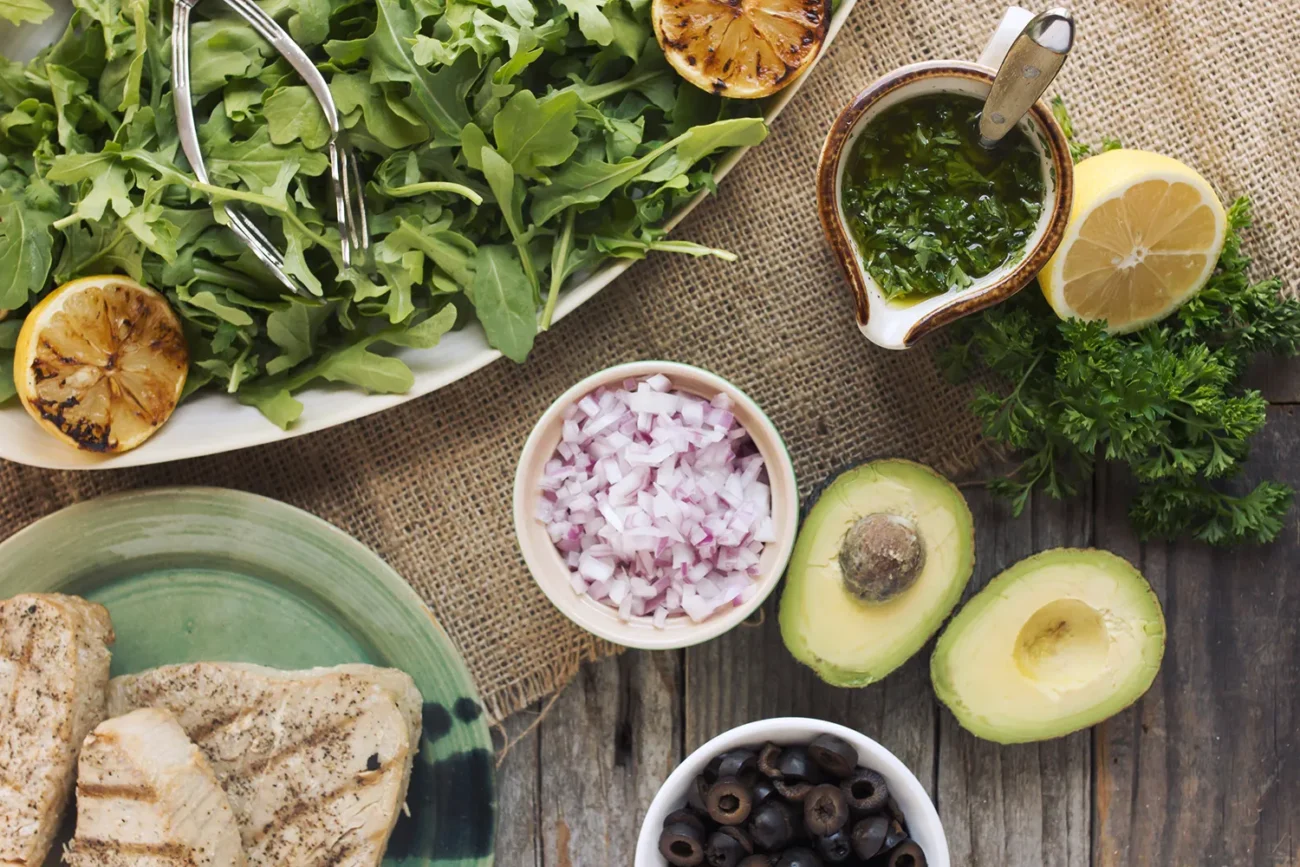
(836, 847)
(835, 756)
(895, 836)
(907, 854)
(723, 850)
(794, 764)
(825, 810)
(737, 763)
(763, 790)
(697, 794)
(729, 801)
(772, 826)
(682, 845)
(792, 791)
(768, 756)
(799, 857)
(866, 792)
(685, 817)
(757, 861)
(739, 836)
(869, 836)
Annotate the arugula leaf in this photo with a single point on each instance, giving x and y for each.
(278, 405)
(591, 20)
(382, 115)
(589, 182)
(307, 20)
(293, 330)
(26, 250)
(434, 95)
(532, 134)
(293, 114)
(7, 387)
(25, 11)
(428, 333)
(222, 49)
(504, 301)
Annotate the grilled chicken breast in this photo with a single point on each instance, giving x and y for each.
(315, 763)
(53, 674)
(146, 797)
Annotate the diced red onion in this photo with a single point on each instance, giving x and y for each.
(658, 501)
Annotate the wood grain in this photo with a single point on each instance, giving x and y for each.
(1278, 379)
(609, 743)
(518, 810)
(1025, 805)
(748, 675)
(1204, 769)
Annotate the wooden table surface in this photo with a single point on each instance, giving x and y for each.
(1204, 770)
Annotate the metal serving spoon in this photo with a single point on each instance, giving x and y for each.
(1031, 64)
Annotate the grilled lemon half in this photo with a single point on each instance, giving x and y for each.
(101, 363)
(743, 49)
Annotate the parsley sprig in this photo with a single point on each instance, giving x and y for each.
(1167, 400)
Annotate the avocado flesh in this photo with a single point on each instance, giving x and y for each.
(1056, 643)
(847, 641)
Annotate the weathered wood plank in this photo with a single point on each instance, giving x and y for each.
(1205, 768)
(1278, 379)
(748, 675)
(611, 740)
(1026, 805)
(518, 796)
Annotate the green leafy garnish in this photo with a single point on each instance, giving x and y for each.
(508, 146)
(931, 209)
(1166, 401)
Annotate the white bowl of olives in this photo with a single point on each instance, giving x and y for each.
(792, 792)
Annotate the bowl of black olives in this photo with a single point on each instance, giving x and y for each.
(792, 792)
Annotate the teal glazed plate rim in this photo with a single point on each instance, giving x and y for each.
(194, 574)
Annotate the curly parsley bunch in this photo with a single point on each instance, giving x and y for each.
(1166, 400)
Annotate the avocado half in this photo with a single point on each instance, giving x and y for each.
(1058, 642)
(881, 560)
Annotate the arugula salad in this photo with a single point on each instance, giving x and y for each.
(508, 145)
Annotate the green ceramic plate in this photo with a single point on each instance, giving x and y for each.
(194, 574)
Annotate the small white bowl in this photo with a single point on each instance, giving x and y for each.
(922, 818)
(552, 574)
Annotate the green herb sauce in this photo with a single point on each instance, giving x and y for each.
(930, 209)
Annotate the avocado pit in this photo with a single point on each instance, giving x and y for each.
(881, 556)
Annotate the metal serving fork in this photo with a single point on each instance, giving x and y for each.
(345, 176)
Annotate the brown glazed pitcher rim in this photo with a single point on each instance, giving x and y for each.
(968, 301)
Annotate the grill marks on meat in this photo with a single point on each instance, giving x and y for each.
(315, 763)
(147, 797)
(54, 663)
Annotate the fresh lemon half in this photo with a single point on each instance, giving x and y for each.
(1144, 235)
(743, 49)
(101, 363)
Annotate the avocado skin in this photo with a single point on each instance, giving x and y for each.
(850, 678)
(941, 675)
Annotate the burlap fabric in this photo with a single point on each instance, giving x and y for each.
(1214, 82)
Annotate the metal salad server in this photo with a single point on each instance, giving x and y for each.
(1031, 64)
(345, 176)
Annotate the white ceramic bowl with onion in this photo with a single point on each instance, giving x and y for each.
(556, 577)
(923, 823)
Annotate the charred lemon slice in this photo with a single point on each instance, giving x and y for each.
(101, 363)
(744, 49)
